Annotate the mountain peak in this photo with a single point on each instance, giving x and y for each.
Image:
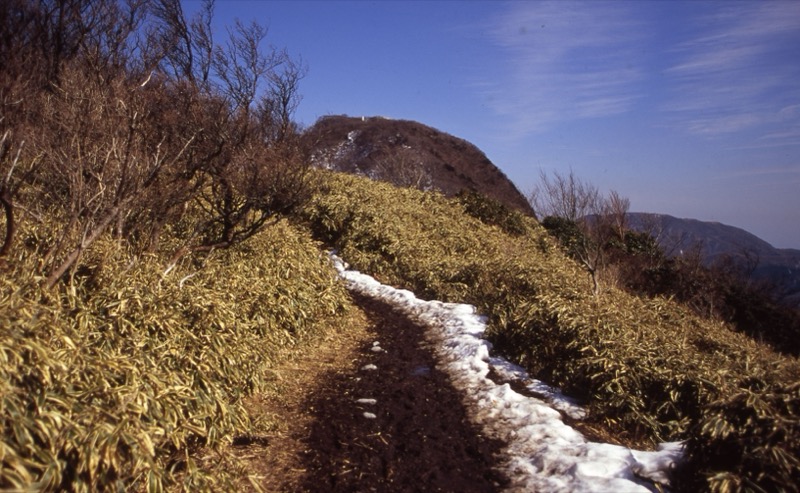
(408, 153)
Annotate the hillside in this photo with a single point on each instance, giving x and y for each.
(407, 153)
(179, 356)
(166, 282)
(646, 368)
(717, 241)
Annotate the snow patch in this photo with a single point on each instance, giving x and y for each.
(542, 454)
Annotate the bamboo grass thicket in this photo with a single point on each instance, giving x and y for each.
(647, 368)
(115, 382)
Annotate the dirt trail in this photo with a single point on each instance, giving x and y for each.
(415, 436)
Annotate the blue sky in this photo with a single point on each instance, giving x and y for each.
(687, 108)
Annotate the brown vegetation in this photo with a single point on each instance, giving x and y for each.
(407, 153)
(137, 156)
(581, 218)
(135, 151)
(125, 116)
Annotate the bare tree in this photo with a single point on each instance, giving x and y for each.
(243, 66)
(106, 151)
(138, 118)
(563, 196)
(615, 208)
(261, 170)
(282, 98)
(584, 221)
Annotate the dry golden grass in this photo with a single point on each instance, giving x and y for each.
(647, 368)
(130, 377)
(117, 378)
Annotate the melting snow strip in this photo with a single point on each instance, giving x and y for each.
(543, 454)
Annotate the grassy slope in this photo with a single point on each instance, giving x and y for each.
(113, 382)
(647, 368)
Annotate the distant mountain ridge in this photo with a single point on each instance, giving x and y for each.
(408, 153)
(717, 240)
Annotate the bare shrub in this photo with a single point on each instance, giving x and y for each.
(135, 116)
(567, 197)
(404, 167)
(583, 220)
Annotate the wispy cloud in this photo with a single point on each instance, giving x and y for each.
(733, 75)
(564, 61)
(769, 170)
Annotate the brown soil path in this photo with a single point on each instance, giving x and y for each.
(416, 436)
